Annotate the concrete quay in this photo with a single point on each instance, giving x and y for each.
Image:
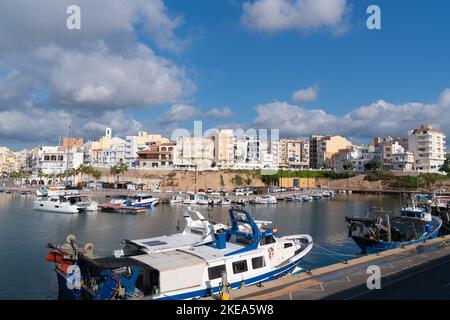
(413, 272)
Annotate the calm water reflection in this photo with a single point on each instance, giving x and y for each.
(24, 274)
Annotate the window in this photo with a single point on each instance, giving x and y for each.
(240, 266)
(216, 272)
(287, 245)
(258, 262)
(243, 240)
(267, 240)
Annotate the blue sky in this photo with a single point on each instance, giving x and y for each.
(401, 69)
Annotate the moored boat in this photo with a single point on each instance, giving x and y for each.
(316, 196)
(264, 200)
(180, 267)
(57, 204)
(138, 200)
(380, 231)
(176, 200)
(71, 204)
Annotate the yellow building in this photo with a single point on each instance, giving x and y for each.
(224, 148)
(322, 149)
(9, 161)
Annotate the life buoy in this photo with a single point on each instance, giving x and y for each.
(271, 252)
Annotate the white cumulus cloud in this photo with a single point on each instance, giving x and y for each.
(306, 95)
(378, 118)
(226, 112)
(305, 15)
(178, 113)
(109, 80)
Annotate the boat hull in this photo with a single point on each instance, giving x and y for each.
(369, 246)
(74, 294)
(57, 208)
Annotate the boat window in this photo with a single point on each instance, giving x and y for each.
(243, 240)
(287, 245)
(258, 262)
(216, 272)
(240, 266)
(267, 240)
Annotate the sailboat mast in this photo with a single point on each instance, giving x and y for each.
(67, 154)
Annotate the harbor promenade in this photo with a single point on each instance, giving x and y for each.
(401, 270)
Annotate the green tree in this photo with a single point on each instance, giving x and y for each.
(237, 180)
(348, 166)
(118, 169)
(373, 165)
(445, 167)
(96, 174)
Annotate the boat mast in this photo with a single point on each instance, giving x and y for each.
(389, 227)
(67, 154)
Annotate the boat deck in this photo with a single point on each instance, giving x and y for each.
(211, 253)
(168, 242)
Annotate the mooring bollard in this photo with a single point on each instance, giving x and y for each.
(224, 288)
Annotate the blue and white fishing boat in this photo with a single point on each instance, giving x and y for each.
(188, 265)
(138, 200)
(378, 231)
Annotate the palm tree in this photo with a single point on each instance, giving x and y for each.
(95, 173)
(118, 169)
(114, 170)
(83, 169)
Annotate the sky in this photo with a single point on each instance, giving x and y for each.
(301, 66)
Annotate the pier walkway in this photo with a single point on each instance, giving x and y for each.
(414, 272)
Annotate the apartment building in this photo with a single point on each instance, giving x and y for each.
(157, 156)
(106, 151)
(294, 153)
(224, 148)
(142, 141)
(322, 149)
(428, 146)
(194, 152)
(55, 160)
(356, 155)
(9, 161)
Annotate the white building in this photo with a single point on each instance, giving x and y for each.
(388, 148)
(252, 150)
(105, 152)
(194, 152)
(240, 152)
(358, 156)
(55, 160)
(402, 161)
(428, 147)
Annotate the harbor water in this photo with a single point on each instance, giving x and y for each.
(24, 233)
